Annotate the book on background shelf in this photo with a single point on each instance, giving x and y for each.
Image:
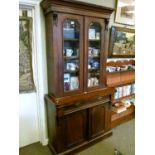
(118, 107)
(128, 102)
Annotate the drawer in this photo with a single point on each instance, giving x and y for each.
(83, 104)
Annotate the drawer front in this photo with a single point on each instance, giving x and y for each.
(85, 104)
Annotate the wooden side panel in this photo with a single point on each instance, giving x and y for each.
(59, 141)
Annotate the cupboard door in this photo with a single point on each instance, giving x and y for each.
(99, 119)
(72, 53)
(95, 57)
(76, 128)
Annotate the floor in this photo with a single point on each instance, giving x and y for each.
(123, 139)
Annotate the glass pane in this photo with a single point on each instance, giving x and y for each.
(94, 48)
(71, 54)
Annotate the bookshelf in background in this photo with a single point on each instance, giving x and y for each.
(121, 76)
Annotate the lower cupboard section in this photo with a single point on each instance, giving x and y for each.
(79, 126)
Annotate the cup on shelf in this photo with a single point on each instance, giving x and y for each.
(71, 66)
(96, 64)
(95, 52)
(93, 81)
(69, 52)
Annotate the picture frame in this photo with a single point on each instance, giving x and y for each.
(26, 81)
(125, 12)
(121, 43)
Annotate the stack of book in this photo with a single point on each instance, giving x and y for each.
(118, 107)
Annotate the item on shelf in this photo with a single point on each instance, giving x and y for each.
(69, 52)
(118, 107)
(111, 69)
(124, 68)
(93, 81)
(89, 66)
(131, 67)
(116, 94)
(98, 35)
(93, 51)
(74, 83)
(133, 88)
(128, 102)
(123, 91)
(77, 52)
(69, 33)
(71, 66)
(96, 64)
(66, 81)
(128, 90)
(132, 101)
(91, 33)
(120, 92)
(120, 68)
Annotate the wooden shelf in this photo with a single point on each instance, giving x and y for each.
(120, 63)
(120, 78)
(71, 71)
(118, 118)
(70, 39)
(95, 57)
(93, 69)
(94, 40)
(71, 57)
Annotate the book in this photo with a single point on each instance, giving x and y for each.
(118, 108)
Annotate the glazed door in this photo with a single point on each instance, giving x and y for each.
(72, 53)
(95, 56)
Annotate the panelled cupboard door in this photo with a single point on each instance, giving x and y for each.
(98, 118)
(94, 53)
(76, 128)
(71, 53)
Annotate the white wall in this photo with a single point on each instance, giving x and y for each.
(32, 119)
(28, 119)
